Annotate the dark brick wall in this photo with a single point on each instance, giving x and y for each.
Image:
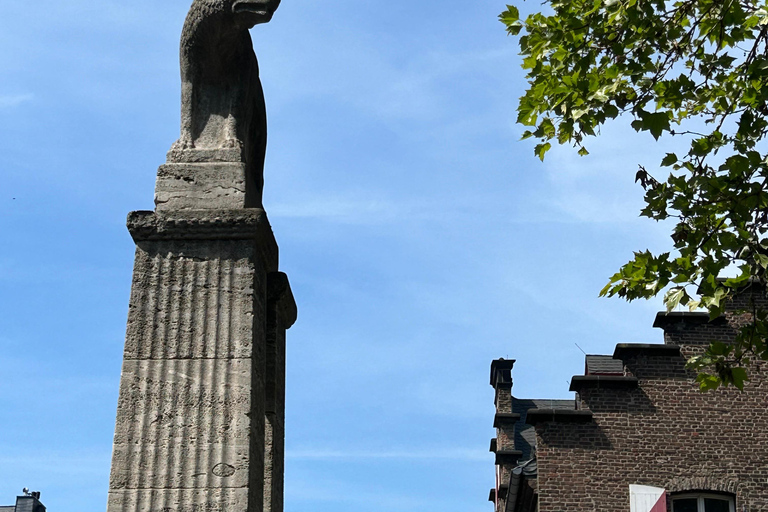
(664, 433)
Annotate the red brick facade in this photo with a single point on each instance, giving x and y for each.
(650, 426)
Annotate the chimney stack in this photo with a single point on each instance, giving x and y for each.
(30, 502)
(503, 445)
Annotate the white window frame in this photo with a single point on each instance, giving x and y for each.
(700, 499)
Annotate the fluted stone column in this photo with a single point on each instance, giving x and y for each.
(200, 418)
(201, 409)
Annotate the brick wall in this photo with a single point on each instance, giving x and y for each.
(663, 433)
(650, 426)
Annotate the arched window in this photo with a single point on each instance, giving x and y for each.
(702, 502)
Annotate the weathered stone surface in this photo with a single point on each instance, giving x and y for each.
(202, 401)
(203, 156)
(193, 301)
(250, 224)
(183, 466)
(223, 117)
(201, 409)
(222, 99)
(187, 424)
(179, 500)
(202, 391)
(190, 186)
(281, 314)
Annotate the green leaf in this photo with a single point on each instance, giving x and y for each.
(719, 348)
(674, 296)
(547, 128)
(657, 123)
(739, 377)
(511, 18)
(695, 70)
(610, 111)
(541, 150)
(511, 15)
(708, 382)
(514, 28)
(668, 160)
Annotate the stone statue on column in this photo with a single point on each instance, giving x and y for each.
(200, 417)
(223, 115)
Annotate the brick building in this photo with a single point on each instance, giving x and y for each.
(639, 420)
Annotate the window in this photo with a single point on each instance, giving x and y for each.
(702, 503)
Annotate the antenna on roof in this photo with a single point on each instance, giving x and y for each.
(582, 350)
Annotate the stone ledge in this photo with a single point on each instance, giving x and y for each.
(579, 382)
(242, 224)
(150, 230)
(195, 155)
(536, 416)
(494, 445)
(685, 318)
(508, 456)
(505, 419)
(627, 350)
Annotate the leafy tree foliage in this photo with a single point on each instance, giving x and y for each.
(695, 70)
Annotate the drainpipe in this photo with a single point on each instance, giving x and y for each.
(514, 488)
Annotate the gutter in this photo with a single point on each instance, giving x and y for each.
(515, 480)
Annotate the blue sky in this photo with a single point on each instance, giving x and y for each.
(421, 237)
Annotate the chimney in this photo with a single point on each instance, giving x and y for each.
(503, 445)
(30, 502)
(501, 380)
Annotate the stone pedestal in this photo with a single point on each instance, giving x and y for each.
(201, 409)
(207, 179)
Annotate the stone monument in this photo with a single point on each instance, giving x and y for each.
(200, 418)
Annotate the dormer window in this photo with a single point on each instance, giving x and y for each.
(699, 502)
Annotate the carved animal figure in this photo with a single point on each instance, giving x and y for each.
(222, 102)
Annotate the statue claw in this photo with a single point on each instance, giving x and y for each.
(182, 144)
(232, 144)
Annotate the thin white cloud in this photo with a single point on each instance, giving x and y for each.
(318, 491)
(600, 188)
(20, 271)
(354, 211)
(14, 100)
(348, 67)
(64, 463)
(362, 210)
(443, 453)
